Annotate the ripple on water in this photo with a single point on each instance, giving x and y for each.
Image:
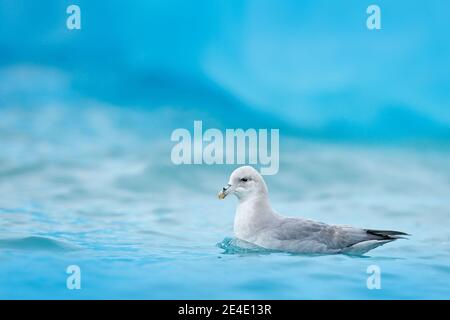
(237, 246)
(35, 243)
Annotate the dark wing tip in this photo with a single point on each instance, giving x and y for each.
(387, 234)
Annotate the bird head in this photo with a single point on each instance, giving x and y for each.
(244, 182)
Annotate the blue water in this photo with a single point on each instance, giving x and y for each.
(85, 124)
(140, 227)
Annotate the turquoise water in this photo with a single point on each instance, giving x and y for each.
(79, 187)
(86, 118)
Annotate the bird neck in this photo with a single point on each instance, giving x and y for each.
(260, 199)
(252, 214)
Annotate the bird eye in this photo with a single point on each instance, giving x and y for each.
(244, 179)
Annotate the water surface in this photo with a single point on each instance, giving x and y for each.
(79, 187)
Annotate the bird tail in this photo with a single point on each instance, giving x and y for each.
(375, 239)
(362, 247)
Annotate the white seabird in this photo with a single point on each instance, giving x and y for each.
(256, 222)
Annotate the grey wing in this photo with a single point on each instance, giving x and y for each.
(332, 236)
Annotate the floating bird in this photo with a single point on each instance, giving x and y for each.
(256, 222)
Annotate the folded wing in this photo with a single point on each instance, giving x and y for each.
(344, 238)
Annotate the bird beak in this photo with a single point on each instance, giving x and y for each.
(224, 192)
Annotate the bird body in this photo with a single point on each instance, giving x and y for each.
(256, 222)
